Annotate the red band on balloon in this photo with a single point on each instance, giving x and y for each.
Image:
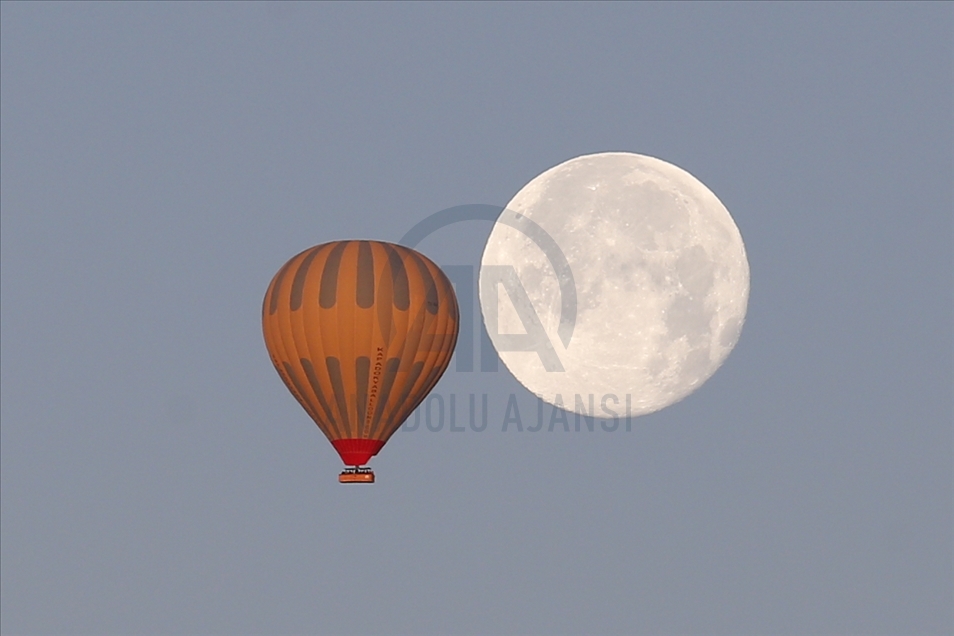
(357, 452)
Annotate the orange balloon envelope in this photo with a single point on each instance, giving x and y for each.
(360, 332)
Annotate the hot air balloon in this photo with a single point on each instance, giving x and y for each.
(360, 332)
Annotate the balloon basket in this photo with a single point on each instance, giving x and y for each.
(356, 475)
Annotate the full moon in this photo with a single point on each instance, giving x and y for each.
(631, 282)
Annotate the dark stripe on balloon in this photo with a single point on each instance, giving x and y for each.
(431, 302)
(450, 297)
(316, 389)
(427, 317)
(446, 332)
(341, 399)
(402, 297)
(277, 287)
(362, 369)
(291, 381)
(408, 386)
(298, 390)
(387, 382)
(298, 286)
(432, 377)
(287, 375)
(439, 364)
(328, 292)
(364, 293)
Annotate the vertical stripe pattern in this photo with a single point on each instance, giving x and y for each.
(360, 332)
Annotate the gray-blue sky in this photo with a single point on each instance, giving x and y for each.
(161, 161)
